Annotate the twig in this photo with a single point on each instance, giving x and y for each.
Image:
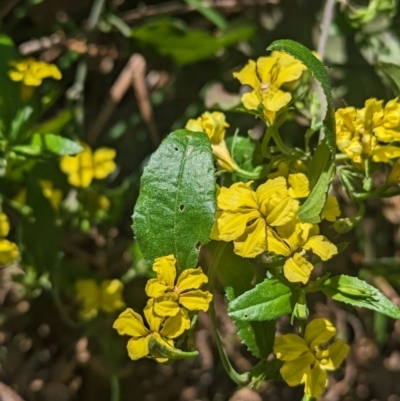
(142, 96)
(329, 11)
(177, 7)
(117, 91)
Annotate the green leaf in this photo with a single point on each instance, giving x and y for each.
(236, 275)
(245, 151)
(56, 124)
(311, 209)
(356, 292)
(175, 210)
(55, 144)
(267, 301)
(212, 15)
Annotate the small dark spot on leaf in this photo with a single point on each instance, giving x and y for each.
(246, 316)
(198, 245)
(181, 207)
(176, 148)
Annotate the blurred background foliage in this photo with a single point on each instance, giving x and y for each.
(133, 71)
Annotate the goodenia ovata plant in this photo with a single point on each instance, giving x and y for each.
(270, 214)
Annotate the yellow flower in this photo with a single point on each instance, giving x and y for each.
(331, 210)
(246, 217)
(82, 168)
(286, 165)
(266, 77)
(9, 252)
(214, 125)
(4, 225)
(293, 240)
(307, 360)
(361, 131)
(52, 194)
(163, 330)
(31, 72)
(169, 296)
(106, 297)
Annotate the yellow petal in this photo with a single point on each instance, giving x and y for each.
(69, 164)
(138, 347)
(166, 305)
(111, 295)
(104, 162)
(331, 210)
(273, 99)
(191, 279)
(195, 300)
(289, 347)
(265, 70)
(319, 331)
(9, 252)
(174, 326)
(335, 355)
(385, 153)
(238, 196)
(153, 319)
(251, 100)
(215, 231)
(297, 269)
(394, 175)
(291, 70)
(131, 324)
(280, 210)
(165, 269)
(276, 244)
(298, 185)
(269, 188)
(232, 225)
(295, 372)
(248, 75)
(253, 241)
(195, 125)
(321, 246)
(88, 294)
(155, 288)
(4, 225)
(316, 381)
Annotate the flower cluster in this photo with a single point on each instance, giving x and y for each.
(167, 311)
(32, 72)
(106, 296)
(87, 165)
(306, 361)
(369, 132)
(9, 251)
(266, 220)
(267, 77)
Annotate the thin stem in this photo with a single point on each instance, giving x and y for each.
(240, 379)
(114, 387)
(278, 141)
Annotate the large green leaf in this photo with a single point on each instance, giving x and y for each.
(236, 275)
(175, 210)
(267, 301)
(311, 209)
(356, 292)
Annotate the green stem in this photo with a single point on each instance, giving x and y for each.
(240, 379)
(278, 140)
(341, 156)
(114, 387)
